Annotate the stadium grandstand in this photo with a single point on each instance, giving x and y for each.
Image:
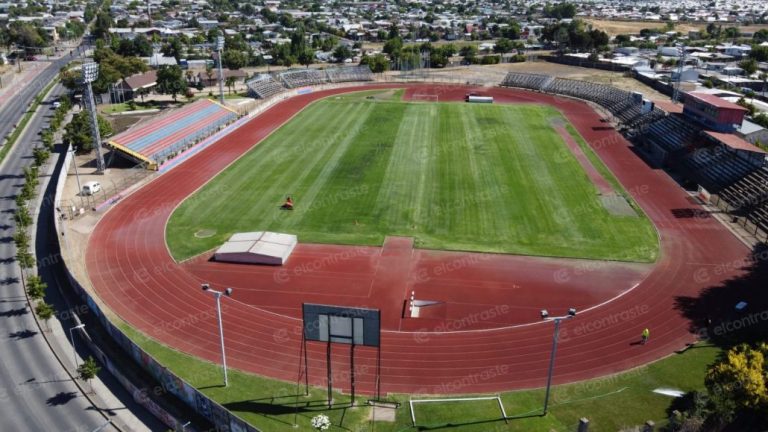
(697, 140)
(162, 138)
(294, 78)
(349, 74)
(263, 86)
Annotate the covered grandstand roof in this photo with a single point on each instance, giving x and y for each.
(735, 142)
(716, 101)
(162, 137)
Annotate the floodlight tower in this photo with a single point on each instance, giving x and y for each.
(217, 294)
(90, 73)
(555, 339)
(680, 65)
(219, 48)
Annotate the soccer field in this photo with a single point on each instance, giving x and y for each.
(493, 178)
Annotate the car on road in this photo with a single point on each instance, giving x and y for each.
(56, 104)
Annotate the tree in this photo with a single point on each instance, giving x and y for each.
(88, 370)
(749, 66)
(306, 57)
(378, 63)
(22, 217)
(469, 52)
(45, 312)
(738, 382)
(78, 131)
(759, 53)
(760, 36)
(36, 287)
(209, 72)
(172, 48)
(230, 83)
(101, 25)
(21, 238)
(622, 39)
(141, 46)
(560, 11)
(503, 45)
(170, 80)
(233, 59)
(341, 53)
(41, 155)
(393, 47)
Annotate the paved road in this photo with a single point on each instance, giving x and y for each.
(35, 392)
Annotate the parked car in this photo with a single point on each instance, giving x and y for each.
(90, 188)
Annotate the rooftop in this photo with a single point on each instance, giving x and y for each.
(716, 101)
(735, 142)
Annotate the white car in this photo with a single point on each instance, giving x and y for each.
(91, 188)
(56, 104)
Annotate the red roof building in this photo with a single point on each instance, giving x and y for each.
(713, 112)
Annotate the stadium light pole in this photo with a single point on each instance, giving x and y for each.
(217, 294)
(219, 48)
(545, 316)
(72, 338)
(90, 73)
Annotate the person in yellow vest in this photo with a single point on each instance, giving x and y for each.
(646, 334)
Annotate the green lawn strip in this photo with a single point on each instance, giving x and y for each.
(453, 176)
(268, 404)
(610, 403)
(127, 106)
(25, 119)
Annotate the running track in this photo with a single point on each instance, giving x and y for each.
(133, 274)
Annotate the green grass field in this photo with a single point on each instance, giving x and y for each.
(455, 176)
(610, 403)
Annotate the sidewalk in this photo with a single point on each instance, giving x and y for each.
(102, 391)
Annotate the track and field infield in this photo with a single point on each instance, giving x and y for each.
(455, 176)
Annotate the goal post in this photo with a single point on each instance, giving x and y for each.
(424, 97)
(497, 398)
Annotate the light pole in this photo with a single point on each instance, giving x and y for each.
(227, 292)
(545, 316)
(219, 48)
(72, 338)
(90, 73)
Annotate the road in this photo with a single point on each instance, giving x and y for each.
(36, 394)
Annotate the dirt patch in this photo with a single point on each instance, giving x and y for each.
(382, 413)
(121, 123)
(617, 205)
(205, 233)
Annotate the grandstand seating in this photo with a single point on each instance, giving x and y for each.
(527, 81)
(672, 133)
(263, 86)
(294, 78)
(163, 137)
(749, 190)
(349, 73)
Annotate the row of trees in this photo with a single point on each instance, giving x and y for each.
(33, 284)
(576, 35)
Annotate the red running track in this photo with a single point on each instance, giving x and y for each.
(485, 338)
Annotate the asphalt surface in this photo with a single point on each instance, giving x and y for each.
(36, 394)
